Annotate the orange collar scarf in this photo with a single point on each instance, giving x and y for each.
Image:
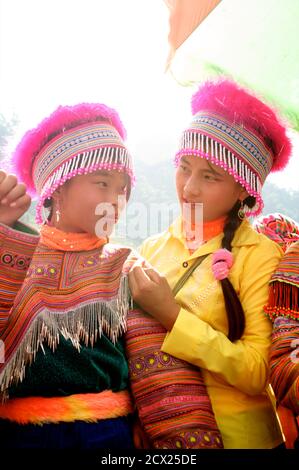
(68, 241)
(210, 230)
(213, 228)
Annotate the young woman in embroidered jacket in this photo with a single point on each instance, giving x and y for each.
(215, 319)
(64, 292)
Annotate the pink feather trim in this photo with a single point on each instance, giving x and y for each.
(241, 107)
(63, 118)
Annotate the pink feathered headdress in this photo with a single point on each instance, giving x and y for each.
(238, 132)
(73, 140)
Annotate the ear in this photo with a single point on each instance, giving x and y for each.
(57, 194)
(243, 194)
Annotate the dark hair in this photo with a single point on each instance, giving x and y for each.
(234, 309)
(48, 204)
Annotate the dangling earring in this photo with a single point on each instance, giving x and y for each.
(241, 211)
(57, 213)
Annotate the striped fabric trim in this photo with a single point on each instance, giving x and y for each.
(284, 362)
(16, 251)
(284, 286)
(89, 407)
(170, 394)
(288, 268)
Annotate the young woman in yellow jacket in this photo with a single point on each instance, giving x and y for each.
(214, 319)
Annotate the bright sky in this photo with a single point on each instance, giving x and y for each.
(56, 52)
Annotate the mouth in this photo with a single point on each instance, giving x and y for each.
(109, 219)
(192, 203)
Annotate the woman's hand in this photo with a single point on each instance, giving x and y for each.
(152, 293)
(14, 200)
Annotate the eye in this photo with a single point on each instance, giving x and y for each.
(102, 184)
(209, 177)
(183, 167)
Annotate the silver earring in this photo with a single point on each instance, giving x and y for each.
(241, 211)
(57, 213)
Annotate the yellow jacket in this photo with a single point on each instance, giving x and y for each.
(236, 374)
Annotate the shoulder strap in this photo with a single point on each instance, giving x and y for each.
(187, 274)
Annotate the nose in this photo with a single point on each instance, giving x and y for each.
(192, 188)
(112, 197)
(117, 202)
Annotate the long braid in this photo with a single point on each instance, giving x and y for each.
(234, 309)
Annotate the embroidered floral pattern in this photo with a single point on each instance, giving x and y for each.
(13, 260)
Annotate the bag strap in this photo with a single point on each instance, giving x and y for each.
(187, 274)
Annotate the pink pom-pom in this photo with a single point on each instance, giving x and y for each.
(222, 261)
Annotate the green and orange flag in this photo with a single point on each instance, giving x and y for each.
(255, 42)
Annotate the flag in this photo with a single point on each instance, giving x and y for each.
(255, 42)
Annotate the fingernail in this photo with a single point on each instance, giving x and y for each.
(4, 201)
(13, 204)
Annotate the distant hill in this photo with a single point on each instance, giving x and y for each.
(155, 192)
(155, 184)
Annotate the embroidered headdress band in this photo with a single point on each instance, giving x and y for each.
(235, 149)
(79, 151)
(238, 132)
(73, 140)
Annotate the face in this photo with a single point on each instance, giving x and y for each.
(199, 181)
(90, 203)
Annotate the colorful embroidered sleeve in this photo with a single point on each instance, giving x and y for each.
(16, 251)
(169, 394)
(174, 409)
(284, 362)
(244, 363)
(283, 310)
